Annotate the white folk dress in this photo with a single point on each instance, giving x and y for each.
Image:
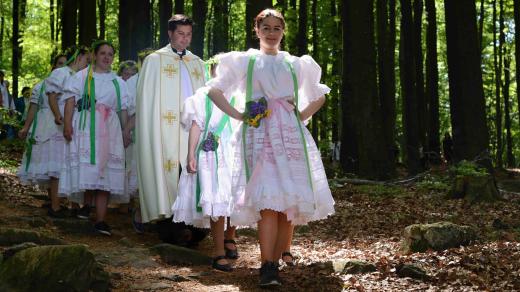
(130, 151)
(213, 167)
(108, 172)
(281, 177)
(43, 159)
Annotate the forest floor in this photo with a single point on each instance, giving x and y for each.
(368, 226)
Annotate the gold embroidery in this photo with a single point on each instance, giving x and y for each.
(170, 117)
(169, 165)
(169, 70)
(196, 74)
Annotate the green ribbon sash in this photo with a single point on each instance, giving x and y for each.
(31, 140)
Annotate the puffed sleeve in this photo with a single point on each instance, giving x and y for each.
(55, 82)
(194, 109)
(35, 94)
(231, 69)
(310, 87)
(74, 86)
(131, 85)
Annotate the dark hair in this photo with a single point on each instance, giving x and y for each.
(57, 57)
(128, 64)
(98, 44)
(25, 88)
(179, 19)
(266, 13)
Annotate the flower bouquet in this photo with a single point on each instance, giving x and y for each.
(210, 143)
(256, 111)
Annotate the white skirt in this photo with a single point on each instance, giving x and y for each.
(215, 190)
(280, 178)
(78, 174)
(47, 151)
(131, 171)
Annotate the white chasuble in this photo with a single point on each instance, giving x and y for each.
(165, 81)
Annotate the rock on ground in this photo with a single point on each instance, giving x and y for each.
(53, 268)
(437, 236)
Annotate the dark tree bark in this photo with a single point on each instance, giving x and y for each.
(497, 60)
(2, 26)
(422, 116)
(481, 24)
(16, 47)
(253, 7)
(362, 134)
(220, 27)
(386, 48)
(200, 9)
(517, 50)
(301, 39)
(316, 55)
(51, 18)
(467, 104)
(336, 67)
(165, 13)
(179, 7)
(135, 16)
(69, 23)
(432, 84)
(87, 22)
(507, 109)
(408, 89)
(102, 4)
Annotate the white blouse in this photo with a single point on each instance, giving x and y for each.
(105, 89)
(272, 77)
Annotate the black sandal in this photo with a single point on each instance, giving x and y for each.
(225, 268)
(288, 254)
(231, 253)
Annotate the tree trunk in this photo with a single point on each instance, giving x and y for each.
(220, 27)
(2, 26)
(316, 55)
(253, 7)
(408, 89)
(165, 13)
(179, 6)
(102, 16)
(467, 104)
(142, 29)
(51, 18)
(517, 51)
(432, 84)
(16, 47)
(362, 142)
(422, 116)
(481, 24)
(497, 52)
(301, 39)
(200, 9)
(386, 47)
(69, 23)
(125, 19)
(507, 106)
(87, 22)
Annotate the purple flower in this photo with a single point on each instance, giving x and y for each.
(210, 143)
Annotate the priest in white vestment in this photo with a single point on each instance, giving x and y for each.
(167, 78)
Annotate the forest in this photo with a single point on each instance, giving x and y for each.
(419, 135)
(395, 67)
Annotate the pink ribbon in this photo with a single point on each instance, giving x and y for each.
(103, 138)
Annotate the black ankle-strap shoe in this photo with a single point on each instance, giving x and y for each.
(269, 275)
(231, 253)
(220, 267)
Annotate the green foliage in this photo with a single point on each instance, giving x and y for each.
(467, 168)
(9, 118)
(434, 183)
(380, 191)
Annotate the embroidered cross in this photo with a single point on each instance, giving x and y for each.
(169, 165)
(169, 70)
(170, 117)
(196, 74)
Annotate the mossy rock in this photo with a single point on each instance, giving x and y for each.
(352, 267)
(436, 236)
(173, 254)
(11, 236)
(66, 268)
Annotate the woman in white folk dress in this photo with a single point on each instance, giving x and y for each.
(95, 112)
(278, 176)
